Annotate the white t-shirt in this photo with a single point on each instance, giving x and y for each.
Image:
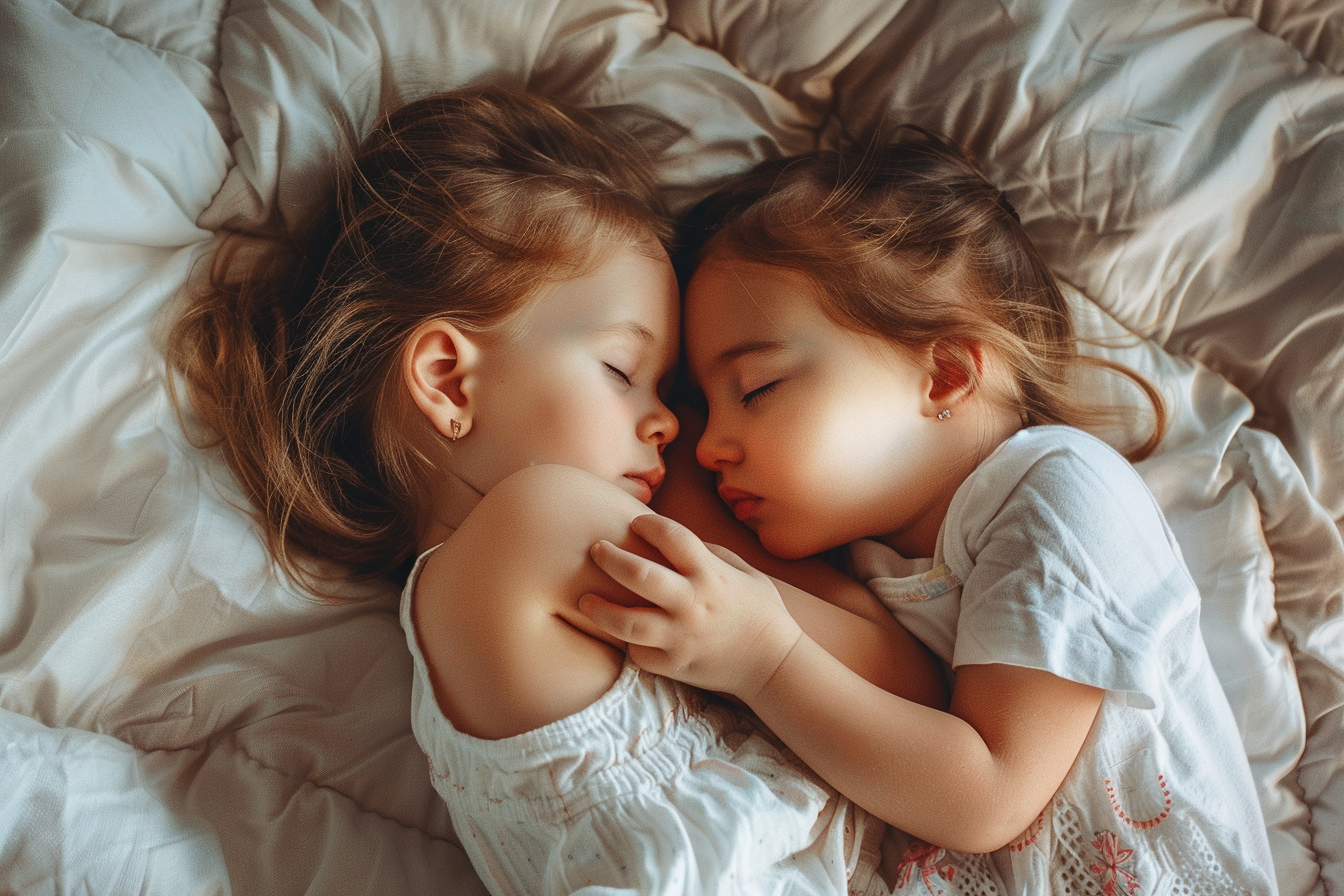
(1055, 556)
(652, 789)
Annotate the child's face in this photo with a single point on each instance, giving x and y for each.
(578, 377)
(819, 434)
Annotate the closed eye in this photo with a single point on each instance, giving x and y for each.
(619, 374)
(756, 395)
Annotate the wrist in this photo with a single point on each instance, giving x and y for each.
(773, 646)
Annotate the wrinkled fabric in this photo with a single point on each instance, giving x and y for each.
(1054, 556)
(651, 789)
(161, 689)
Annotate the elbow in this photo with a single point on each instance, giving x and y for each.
(989, 832)
(979, 841)
(972, 821)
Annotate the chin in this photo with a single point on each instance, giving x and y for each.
(783, 547)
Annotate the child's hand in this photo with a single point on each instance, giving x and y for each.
(717, 623)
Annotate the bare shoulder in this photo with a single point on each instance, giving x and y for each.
(552, 496)
(495, 608)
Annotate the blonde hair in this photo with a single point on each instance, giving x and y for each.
(457, 206)
(907, 240)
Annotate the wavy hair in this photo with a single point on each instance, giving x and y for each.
(909, 241)
(457, 206)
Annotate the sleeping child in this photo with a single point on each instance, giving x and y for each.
(885, 364)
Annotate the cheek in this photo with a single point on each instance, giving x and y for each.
(789, 450)
(565, 432)
(796, 473)
(772, 452)
(832, 467)
(540, 423)
(582, 426)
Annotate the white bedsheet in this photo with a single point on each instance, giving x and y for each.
(173, 719)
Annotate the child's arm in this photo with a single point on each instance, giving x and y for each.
(971, 779)
(495, 608)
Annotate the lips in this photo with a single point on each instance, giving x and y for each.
(743, 504)
(651, 480)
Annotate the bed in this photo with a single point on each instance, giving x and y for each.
(175, 719)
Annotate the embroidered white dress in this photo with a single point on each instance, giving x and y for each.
(1055, 556)
(652, 789)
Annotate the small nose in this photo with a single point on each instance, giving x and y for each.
(661, 426)
(715, 451)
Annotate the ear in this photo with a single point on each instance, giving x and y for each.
(954, 373)
(439, 363)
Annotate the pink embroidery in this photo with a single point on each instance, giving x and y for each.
(1134, 822)
(1108, 871)
(924, 860)
(1028, 837)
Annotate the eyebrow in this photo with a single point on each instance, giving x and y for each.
(750, 347)
(630, 328)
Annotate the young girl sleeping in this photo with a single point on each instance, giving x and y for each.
(885, 363)
(459, 380)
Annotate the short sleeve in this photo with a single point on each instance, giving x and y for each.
(1069, 567)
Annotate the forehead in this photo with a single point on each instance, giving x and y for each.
(627, 290)
(730, 299)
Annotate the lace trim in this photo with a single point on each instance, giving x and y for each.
(1179, 859)
(932, 870)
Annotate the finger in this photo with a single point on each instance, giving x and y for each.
(730, 558)
(682, 547)
(644, 626)
(650, 580)
(659, 662)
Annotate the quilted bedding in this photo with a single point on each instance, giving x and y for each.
(174, 719)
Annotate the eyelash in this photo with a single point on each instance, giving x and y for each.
(620, 374)
(756, 395)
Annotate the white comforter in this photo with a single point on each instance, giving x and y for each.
(175, 720)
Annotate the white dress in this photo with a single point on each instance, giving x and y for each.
(652, 789)
(1055, 556)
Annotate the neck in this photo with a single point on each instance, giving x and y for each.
(453, 499)
(977, 427)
